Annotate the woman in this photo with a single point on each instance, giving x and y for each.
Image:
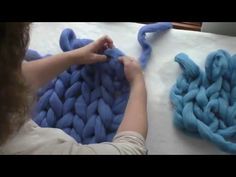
(20, 135)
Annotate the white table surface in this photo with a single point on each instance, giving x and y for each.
(160, 74)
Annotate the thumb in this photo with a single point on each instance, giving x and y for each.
(123, 60)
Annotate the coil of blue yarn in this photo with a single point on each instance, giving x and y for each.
(88, 101)
(205, 102)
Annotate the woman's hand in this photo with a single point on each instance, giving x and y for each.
(91, 53)
(132, 69)
(135, 117)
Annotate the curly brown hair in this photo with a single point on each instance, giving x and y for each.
(14, 38)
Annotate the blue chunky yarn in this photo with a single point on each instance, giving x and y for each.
(88, 101)
(205, 103)
(155, 27)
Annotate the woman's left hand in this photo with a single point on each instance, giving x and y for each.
(90, 53)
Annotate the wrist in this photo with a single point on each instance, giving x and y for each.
(138, 80)
(74, 56)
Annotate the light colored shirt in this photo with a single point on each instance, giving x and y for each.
(32, 139)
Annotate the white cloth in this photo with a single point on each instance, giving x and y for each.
(160, 74)
(32, 139)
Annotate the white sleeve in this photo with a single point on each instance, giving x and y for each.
(32, 139)
(126, 143)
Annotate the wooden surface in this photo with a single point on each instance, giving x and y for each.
(193, 26)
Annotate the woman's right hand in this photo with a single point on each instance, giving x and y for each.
(132, 69)
(135, 117)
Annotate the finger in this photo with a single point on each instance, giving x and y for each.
(99, 58)
(105, 46)
(110, 42)
(103, 41)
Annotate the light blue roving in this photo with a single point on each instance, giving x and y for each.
(205, 102)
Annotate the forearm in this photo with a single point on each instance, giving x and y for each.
(39, 72)
(135, 117)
